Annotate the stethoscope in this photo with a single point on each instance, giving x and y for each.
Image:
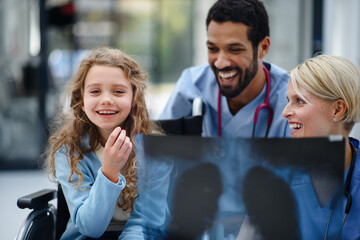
(265, 104)
(346, 192)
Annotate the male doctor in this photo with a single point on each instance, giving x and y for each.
(231, 85)
(238, 40)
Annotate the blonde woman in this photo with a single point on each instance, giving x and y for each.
(324, 99)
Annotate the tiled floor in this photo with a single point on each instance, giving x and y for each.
(14, 184)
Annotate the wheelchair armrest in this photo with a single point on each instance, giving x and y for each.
(37, 200)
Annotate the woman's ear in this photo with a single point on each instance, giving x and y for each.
(339, 109)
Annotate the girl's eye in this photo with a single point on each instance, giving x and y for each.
(94, 91)
(118, 91)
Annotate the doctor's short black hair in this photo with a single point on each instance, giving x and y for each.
(252, 13)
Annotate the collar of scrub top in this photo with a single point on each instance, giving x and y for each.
(265, 105)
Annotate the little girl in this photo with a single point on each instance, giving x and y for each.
(91, 152)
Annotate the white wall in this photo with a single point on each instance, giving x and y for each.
(342, 34)
(200, 35)
(290, 32)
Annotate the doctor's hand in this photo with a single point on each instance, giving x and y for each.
(116, 153)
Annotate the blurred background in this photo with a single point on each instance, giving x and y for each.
(43, 41)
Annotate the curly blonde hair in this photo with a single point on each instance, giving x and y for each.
(71, 126)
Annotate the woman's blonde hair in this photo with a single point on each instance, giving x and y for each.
(331, 78)
(71, 126)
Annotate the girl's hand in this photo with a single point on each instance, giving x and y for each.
(116, 153)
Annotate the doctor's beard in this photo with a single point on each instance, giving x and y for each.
(243, 80)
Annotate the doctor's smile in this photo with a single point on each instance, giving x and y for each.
(294, 127)
(227, 76)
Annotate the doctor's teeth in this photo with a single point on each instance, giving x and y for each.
(227, 75)
(295, 125)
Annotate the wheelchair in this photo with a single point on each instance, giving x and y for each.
(47, 222)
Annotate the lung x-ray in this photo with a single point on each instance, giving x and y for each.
(206, 188)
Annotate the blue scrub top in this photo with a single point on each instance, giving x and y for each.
(200, 81)
(313, 218)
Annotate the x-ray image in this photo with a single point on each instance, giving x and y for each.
(235, 188)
